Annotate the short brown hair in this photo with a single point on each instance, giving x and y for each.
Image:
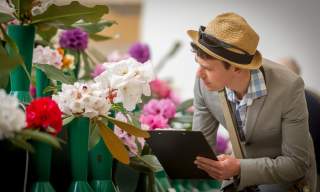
(203, 55)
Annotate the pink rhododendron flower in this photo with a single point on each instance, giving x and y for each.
(98, 70)
(154, 121)
(163, 107)
(160, 88)
(128, 140)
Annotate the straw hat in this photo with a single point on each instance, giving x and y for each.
(230, 38)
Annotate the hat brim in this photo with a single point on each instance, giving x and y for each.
(255, 63)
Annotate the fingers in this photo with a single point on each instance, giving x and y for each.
(208, 162)
(222, 157)
(216, 174)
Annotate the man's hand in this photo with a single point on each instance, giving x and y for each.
(225, 168)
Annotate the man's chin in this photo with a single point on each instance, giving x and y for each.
(211, 88)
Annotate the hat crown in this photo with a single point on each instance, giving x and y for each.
(234, 29)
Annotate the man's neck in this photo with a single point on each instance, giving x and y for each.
(240, 85)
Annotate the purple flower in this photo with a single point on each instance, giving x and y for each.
(98, 70)
(221, 144)
(140, 52)
(74, 39)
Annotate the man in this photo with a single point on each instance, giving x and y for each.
(268, 103)
(313, 103)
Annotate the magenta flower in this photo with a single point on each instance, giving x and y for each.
(163, 107)
(154, 121)
(221, 144)
(75, 39)
(140, 52)
(168, 108)
(97, 70)
(32, 90)
(128, 140)
(157, 113)
(160, 88)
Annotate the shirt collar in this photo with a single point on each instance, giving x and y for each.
(257, 88)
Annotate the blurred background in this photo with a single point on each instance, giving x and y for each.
(287, 28)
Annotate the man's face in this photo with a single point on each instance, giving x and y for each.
(213, 73)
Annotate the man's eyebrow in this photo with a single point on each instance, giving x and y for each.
(205, 67)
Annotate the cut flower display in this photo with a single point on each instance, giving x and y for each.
(12, 117)
(130, 79)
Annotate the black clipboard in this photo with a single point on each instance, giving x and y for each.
(177, 151)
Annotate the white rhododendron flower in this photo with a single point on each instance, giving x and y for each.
(46, 55)
(86, 99)
(87, 3)
(41, 6)
(130, 79)
(12, 118)
(6, 8)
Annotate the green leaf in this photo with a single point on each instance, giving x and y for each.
(69, 14)
(185, 105)
(114, 144)
(87, 68)
(7, 62)
(100, 57)
(4, 18)
(183, 119)
(152, 161)
(46, 32)
(23, 144)
(50, 89)
(92, 28)
(94, 136)
(67, 120)
(4, 79)
(15, 51)
(97, 37)
(40, 136)
(55, 74)
(140, 166)
(128, 128)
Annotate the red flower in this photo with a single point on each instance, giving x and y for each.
(44, 114)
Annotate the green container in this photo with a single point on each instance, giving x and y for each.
(78, 131)
(100, 163)
(41, 161)
(24, 39)
(42, 82)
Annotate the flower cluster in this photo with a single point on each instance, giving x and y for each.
(46, 55)
(7, 8)
(130, 141)
(44, 114)
(41, 6)
(157, 113)
(86, 99)
(12, 118)
(129, 79)
(161, 90)
(140, 52)
(75, 39)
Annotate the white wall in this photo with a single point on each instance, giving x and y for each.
(286, 28)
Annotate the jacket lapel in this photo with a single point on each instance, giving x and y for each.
(253, 112)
